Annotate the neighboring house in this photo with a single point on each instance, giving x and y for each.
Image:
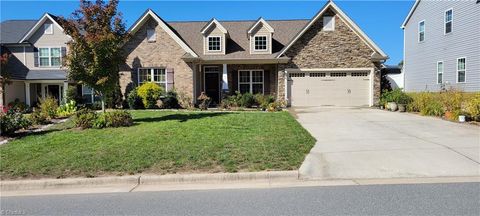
(325, 61)
(36, 50)
(442, 46)
(394, 75)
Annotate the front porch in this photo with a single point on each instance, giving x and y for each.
(220, 80)
(41, 89)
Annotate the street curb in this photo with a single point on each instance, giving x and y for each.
(135, 181)
(66, 183)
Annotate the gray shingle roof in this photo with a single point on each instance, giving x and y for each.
(47, 74)
(11, 31)
(238, 46)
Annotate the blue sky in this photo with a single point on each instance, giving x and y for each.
(381, 20)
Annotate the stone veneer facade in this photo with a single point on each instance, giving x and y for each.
(341, 48)
(165, 52)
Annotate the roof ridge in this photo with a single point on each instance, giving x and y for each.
(191, 21)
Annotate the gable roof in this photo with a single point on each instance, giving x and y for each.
(39, 24)
(210, 24)
(264, 23)
(238, 45)
(11, 31)
(410, 14)
(149, 13)
(347, 20)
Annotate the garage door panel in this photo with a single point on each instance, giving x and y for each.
(329, 89)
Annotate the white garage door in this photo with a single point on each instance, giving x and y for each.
(345, 88)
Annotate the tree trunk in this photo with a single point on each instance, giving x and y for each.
(103, 103)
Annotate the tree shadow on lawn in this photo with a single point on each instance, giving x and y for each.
(184, 117)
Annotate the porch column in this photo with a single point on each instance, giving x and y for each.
(225, 79)
(27, 93)
(65, 89)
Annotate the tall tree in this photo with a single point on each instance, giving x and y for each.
(4, 74)
(95, 51)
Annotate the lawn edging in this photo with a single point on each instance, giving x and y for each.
(148, 179)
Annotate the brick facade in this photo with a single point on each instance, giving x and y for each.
(165, 52)
(341, 48)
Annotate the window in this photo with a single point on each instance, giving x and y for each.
(421, 31)
(448, 21)
(439, 72)
(328, 23)
(250, 81)
(214, 43)
(461, 70)
(359, 74)
(48, 28)
(151, 35)
(318, 74)
(49, 57)
(260, 43)
(338, 74)
(297, 74)
(87, 94)
(156, 75)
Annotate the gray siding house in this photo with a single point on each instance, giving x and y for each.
(442, 46)
(36, 49)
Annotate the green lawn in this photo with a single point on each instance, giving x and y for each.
(162, 142)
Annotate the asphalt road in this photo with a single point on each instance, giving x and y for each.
(420, 199)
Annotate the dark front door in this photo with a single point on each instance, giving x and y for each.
(54, 91)
(212, 87)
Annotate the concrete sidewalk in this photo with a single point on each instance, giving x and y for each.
(355, 143)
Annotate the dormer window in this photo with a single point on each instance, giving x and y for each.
(261, 43)
(214, 43)
(328, 23)
(48, 28)
(151, 35)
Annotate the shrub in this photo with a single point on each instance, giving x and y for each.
(72, 94)
(12, 121)
(67, 109)
(37, 118)
(420, 101)
(203, 101)
(396, 95)
(149, 92)
(18, 106)
(434, 108)
(134, 101)
(185, 101)
(117, 118)
(170, 100)
(48, 107)
(274, 106)
(247, 100)
(452, 102)
(263, 101)
(85, 118)
(472, 107)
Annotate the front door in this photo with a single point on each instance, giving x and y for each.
(54, 91)
(212, 87)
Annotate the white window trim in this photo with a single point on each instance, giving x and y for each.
(445, 22)
(251, 80)
(219, 80)
(49, 57)
(208, 44)
(154, 35)
(92, 93)
(424, 31)
(152, 69)
(443, 69)
(465, 70)
(333, 23)
(45, 28)
(266, 41)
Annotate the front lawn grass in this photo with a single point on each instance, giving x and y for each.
(162, 142)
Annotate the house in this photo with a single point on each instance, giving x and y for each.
(36, 49)
(442, 46)
(325, 61)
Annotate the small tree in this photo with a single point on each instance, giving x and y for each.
(4, 74)
(95, 52)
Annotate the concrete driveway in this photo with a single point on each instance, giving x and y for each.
(360, 143)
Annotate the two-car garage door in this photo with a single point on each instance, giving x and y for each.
(329, 88)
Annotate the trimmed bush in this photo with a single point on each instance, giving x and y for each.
(247, 100)
(263, 101)
(149, 92)
(12, 121)
(134, 101)
(48, 107)
(85, 118)
(118, 118)
(170, 100)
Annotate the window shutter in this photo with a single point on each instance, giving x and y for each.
(35, 57)
(64, 54)
(266, 82)
(170, 79)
